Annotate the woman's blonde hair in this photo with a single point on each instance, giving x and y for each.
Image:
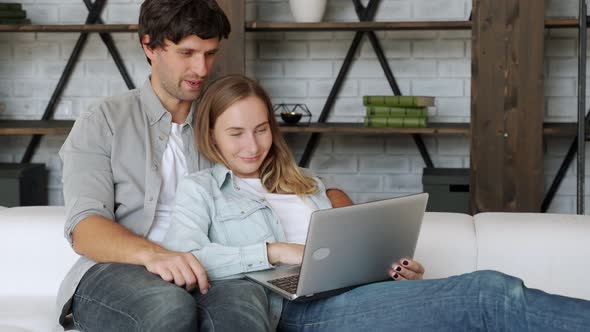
(278, 173)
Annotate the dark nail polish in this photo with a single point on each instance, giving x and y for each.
(395, 276)
(405, 262)
(398, 269)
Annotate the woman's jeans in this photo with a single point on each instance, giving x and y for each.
(122, 297)
(479, 301)
(119, 297)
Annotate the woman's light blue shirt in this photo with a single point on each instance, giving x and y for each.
(226, 228)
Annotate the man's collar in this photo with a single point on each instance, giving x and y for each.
(154, 107)
(191, 113)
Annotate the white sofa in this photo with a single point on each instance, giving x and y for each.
(548, 251)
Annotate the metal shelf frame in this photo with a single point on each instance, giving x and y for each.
(94, 24)
(93, 19)
(578, 144)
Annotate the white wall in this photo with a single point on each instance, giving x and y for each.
(298, 67)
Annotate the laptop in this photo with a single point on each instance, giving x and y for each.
(348, 247)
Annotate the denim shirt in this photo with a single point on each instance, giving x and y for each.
(227, 229)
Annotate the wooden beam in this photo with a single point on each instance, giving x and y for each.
(358, 26)
(231, 57)
(507, 105)
(69, 28)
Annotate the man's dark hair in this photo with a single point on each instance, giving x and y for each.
(176, 19)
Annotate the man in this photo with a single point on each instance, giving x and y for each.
(122, 161)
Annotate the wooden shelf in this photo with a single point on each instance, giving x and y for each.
(551, 23)
(550, 129)
(69, 28)
(339, 128)
(62, 127)
(564, 129)
(357, 26)
(34, 127)
(561, 22)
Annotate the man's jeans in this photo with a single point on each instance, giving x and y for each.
(480, 301)
(122, 297)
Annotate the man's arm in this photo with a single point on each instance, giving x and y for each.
(104, 240)
(89, 197)
(338, 198)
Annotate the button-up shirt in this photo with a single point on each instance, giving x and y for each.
(111, 159)
(227, 228)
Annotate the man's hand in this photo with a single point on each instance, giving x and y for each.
(182, 268)
(406, 269)
(284, 253)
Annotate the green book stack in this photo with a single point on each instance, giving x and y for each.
(397, 111)
(12, 13)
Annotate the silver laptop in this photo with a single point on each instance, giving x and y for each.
(348, 247)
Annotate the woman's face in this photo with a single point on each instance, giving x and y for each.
(243, 137)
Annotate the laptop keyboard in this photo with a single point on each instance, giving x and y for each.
(288, 284)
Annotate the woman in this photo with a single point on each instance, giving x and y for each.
(251, 211)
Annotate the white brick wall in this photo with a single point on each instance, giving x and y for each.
(299, 67)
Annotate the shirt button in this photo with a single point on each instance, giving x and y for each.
(242, 212)
(161, 137)
(151, 198)
(155, 167)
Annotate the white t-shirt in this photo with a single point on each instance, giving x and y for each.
(172, 169)
(292, 211)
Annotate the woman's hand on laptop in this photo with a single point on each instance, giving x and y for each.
(406, 269)
(284, 253)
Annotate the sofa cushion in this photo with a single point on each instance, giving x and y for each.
(547, 251)
(446, 245)
(35, 254)
(28, 313)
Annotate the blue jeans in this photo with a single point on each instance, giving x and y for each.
(122, 297)
(479, 301)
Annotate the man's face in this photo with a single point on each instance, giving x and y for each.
(179, 70)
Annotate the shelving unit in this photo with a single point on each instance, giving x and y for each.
(24, 127)
(49, 127)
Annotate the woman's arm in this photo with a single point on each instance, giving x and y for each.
(189, 232)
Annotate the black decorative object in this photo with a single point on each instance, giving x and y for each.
(292, 113)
